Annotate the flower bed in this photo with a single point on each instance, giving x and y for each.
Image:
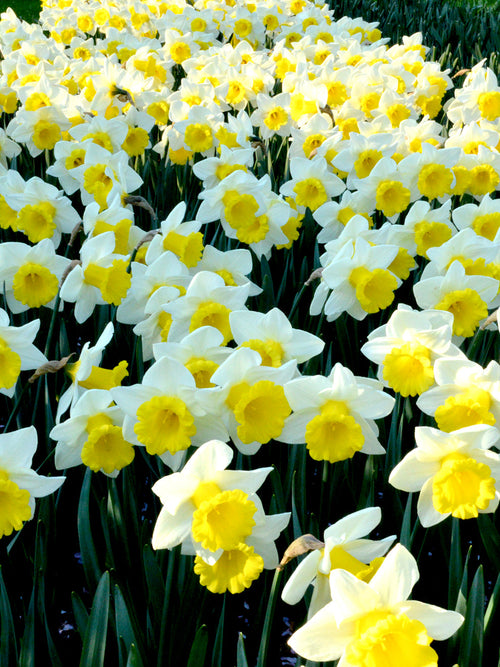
(250, 260)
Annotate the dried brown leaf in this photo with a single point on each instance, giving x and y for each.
(136, 200)
(490, 319)
(460, 72)
(69, 268)
(50, 367)
(314, 275)
(300, 546)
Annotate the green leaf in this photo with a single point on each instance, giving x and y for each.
(199, 648)
(492, 609)
(406, 533)
(80, 613)
(94, 644)
(115, 515)
(134, 659)
(155, 584)
(8, 649)
(471, 639)
(42, 613)
(87, 547)
(491, 539)
(268, 622)
(241, 658)
(124, 627)
(27, 657)
(217, 653)
(461, 605)
(456, 565)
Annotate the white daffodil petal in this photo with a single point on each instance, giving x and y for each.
(320, 638)
(396, 576)
(440, 623)
(301, 578)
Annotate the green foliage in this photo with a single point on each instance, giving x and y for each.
(460, 34)
(29, 10)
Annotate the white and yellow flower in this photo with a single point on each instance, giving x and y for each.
(17, 352)
(456, 473)
(334, 416)
(167, 413)
(468, 297)
(407, 347)
(201, 352)
(19, 484)
(101, 278)
(273, 337)
(345, 548)
(86, 373)
(30, 274)
(216, 514)
(311, 184)
(254, 406)
(375, 623)
(93, 436)
(466, 394)
(207, 302)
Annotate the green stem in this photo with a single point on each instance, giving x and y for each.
(268, 621)
(16, 408)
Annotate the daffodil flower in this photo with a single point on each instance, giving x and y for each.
(254, 406)
(216, 515)
(335, 415)
(344, 548)
(101, 278)
(207, 302)
(183, 239)
(466, 296)
(375, 623)
(466, 394)
(167, 413)
(201, 352)
(166, 271)
(17, 352)
(189, 496)
(273, 337)
(30, 274)
(19, 484)
(93, 436)
(86, 372)
(407, 347)
(455, 473)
